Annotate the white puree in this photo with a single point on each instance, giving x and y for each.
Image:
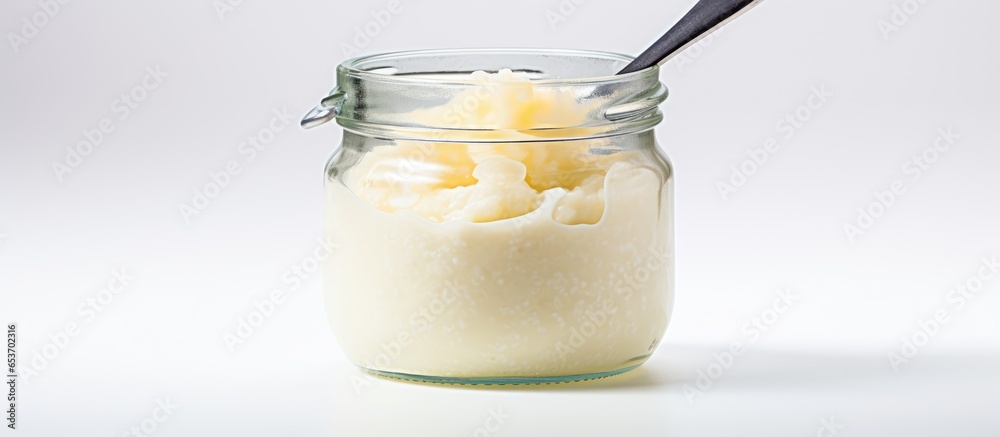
(499, 259)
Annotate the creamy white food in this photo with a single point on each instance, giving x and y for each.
(500, 259)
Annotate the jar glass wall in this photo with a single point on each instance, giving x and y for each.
(500, 227)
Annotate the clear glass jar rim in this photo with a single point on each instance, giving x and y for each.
(375, 93)
(354, 67)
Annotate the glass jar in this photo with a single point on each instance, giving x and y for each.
(499, 227)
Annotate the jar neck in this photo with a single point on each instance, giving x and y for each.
(433, 96)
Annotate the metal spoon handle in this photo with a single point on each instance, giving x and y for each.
(701, 20)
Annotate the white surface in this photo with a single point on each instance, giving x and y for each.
(824, 357)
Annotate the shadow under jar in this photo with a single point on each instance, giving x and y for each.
(503, 226)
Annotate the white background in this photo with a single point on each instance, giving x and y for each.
(228, 71)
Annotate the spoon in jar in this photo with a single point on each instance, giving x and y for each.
(704, 18)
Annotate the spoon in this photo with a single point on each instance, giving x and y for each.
(704, 18)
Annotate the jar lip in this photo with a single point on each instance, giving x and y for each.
(380, 93)
(354, 67)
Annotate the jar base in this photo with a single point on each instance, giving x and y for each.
(529, 380)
